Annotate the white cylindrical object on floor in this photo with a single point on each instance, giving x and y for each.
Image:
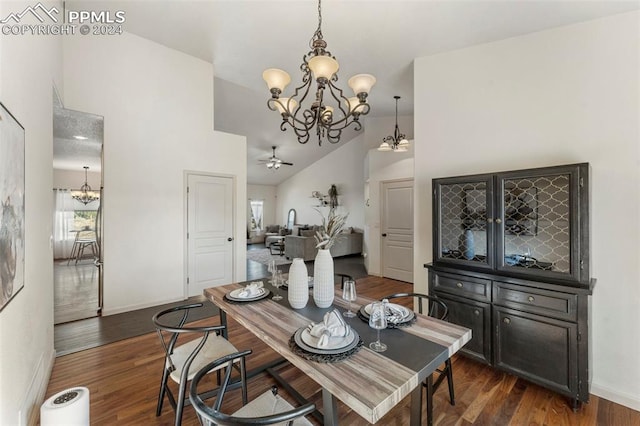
(69, 408)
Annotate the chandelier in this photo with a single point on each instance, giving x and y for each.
(321, 67)
(398, 142)
(85, 195)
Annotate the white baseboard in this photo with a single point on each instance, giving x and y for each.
(30, 409)
(107, 312)
(622, 398)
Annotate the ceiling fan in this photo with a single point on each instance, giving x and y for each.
(274, 162)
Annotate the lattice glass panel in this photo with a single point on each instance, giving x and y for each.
(463, 221)
(537, 223)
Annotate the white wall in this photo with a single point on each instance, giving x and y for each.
(266, 193)
(342, 167)
(157, 105)
(560, 96)
(381, 166)
(29, 66)
(70, 179)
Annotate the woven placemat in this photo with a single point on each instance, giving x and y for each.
(365, 318)
(266, 296)
(322, 358)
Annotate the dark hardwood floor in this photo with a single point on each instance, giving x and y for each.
(123, 379)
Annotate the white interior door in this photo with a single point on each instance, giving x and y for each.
(210, 228)
(397, 230)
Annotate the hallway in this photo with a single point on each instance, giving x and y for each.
(75, 291)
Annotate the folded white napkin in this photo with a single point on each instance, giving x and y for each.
(394, 313)
(251, 290)
(333, 325)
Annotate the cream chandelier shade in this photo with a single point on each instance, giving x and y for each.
(321, 67)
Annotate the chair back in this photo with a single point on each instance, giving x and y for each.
(213, 416)
(170, 324)
(343, 278)
(436, 308)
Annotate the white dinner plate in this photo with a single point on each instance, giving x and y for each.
(234, 295)
(324, 351)
(407, 314)
(334, 342)
(286, 283)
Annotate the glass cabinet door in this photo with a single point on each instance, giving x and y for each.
(537, 233)
(462, 231)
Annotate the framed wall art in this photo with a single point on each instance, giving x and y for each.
(12, 170)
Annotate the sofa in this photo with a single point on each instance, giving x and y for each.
(304, 245)
(274, 233)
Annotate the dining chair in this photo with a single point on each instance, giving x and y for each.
(436, 308)
(84, 238)
(267, 409)
(198, 346)
(343, 278)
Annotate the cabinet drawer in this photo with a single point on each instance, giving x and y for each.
(461, 285)
(538, 301)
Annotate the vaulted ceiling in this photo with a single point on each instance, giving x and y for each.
(242, 38)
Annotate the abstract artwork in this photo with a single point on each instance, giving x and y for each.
(12, 214)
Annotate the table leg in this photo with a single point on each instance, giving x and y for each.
(330, 408)
(430, 400)
(416, 406)
(223, 321)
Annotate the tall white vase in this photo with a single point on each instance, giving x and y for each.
(323, 279)
(298, 292)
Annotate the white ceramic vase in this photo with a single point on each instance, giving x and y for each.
(298, 291)
(323, 279)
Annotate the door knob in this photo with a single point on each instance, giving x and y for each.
(230, 239)
(384, 235)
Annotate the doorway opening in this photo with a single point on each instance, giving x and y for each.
(77, 185)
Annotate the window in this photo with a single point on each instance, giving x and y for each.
(84, 219)
(256, 207)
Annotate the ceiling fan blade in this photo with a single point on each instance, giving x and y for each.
(286, 164)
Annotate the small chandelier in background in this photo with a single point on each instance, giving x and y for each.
(85, 195)
(329, 121)
(398, 142)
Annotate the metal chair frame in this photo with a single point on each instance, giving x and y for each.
(343, 278)
(213, 416)
(80, 244)
(168, 367)
(437, 309)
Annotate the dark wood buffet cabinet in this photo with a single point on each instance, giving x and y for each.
(511, 262)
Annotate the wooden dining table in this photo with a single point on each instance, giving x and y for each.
(370, 383)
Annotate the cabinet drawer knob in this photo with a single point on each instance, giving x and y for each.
(476, 312)
(498, 220)
(459, 285)
(531, 298)
(506, 321)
